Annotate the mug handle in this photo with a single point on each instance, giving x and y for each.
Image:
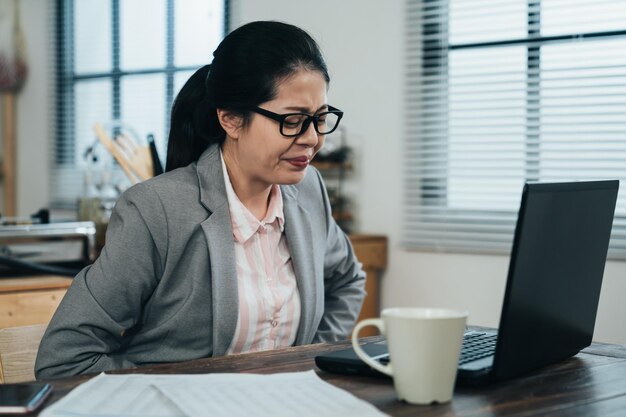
(385, 369)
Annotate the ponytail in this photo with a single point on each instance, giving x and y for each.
(194, 124)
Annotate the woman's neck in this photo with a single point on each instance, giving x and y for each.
(253, 195)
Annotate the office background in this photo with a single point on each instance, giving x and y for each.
(364, 44)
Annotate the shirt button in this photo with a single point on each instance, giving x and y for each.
(274, 323)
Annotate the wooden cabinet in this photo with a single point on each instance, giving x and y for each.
(26, 306)
(30, 300)
(371, 250)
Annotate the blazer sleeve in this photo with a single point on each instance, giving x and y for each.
(344, 282)
(105, 299)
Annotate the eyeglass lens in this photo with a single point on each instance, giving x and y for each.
(293, 124)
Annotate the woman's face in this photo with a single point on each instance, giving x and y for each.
(264, 156)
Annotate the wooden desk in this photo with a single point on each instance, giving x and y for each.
(590, 384)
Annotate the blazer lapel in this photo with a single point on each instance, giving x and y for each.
(219, 235)
(299, 232)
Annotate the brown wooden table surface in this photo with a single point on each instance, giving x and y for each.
(593, 383)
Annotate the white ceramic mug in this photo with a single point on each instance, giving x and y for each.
(424, 348)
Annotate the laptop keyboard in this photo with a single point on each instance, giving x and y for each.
(476, 346)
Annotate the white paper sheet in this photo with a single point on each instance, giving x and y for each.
(115, 395)
(301, 394)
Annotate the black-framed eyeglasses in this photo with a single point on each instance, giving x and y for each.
(295, 124)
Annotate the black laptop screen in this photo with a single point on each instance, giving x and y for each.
(555, 275)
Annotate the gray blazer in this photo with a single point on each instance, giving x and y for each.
(164, 288)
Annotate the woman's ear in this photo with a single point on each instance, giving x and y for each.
(231, 122)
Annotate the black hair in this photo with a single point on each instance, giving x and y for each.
(247, 67)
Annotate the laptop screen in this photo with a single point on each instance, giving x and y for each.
(555, 274)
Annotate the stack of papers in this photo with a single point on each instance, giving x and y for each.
(299, 394)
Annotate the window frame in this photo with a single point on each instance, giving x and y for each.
(66, 79)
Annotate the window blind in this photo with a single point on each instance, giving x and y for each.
(503, 92)
(121, 63)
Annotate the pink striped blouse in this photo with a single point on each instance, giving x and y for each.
(269, 301)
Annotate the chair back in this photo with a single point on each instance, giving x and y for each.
(18, 351)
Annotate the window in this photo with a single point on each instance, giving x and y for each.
(121, 63)
(503, 92)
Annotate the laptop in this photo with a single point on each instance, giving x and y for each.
(552, 291)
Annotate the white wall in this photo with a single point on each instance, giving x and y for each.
(363, 41)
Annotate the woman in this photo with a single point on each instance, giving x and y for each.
(234, 248)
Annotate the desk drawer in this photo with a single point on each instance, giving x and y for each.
(29, 307)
